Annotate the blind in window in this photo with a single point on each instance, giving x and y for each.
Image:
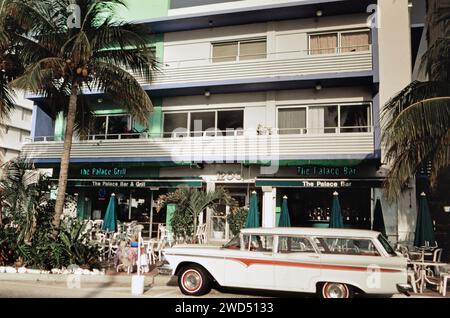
(292, 120)
(253, 50)
(225, 52)
(323, 43)
(355, 42)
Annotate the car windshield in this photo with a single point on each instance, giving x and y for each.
(387, 246)
(234, 244)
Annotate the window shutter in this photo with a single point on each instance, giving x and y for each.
(253, 50)
(225, 52)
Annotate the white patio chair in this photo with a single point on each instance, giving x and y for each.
(201, 234)
(414, 278)
(437, 255)
(444, 283)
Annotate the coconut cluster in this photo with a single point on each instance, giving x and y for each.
(82, 71)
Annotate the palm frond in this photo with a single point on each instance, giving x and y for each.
(415, 135)
(122, 87)
(40, 75)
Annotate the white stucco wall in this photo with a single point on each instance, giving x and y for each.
(285, 39)
(261, 107)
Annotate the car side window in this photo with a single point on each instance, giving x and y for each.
(347, 246)
(259, 243)
(290, 245)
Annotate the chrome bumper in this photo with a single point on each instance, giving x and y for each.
(404, 289)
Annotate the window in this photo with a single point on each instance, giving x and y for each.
(347, 246)
(111, 126)
(197, 123)
(201, 122)
(355, 118)
(230, 120)
(259, 243)
(355, 41)
(225, 52)
(289, 245)
(339, 42)
(292, 121)
(175, 124)
(323, 43)
(239, 50)
(387, 246)
(24, 135)
(325, 119)
(234, 244)
(26, 114)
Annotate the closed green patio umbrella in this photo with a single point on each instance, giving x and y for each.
(285, 219)
(110, 221)
(253, 213)
(425, 227)
(378, 219)
(336, 222)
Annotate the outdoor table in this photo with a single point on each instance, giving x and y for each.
(422, 271)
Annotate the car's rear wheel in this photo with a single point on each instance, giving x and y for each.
(336, 290)
(194, 281)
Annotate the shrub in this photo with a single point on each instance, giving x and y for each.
(236, 220)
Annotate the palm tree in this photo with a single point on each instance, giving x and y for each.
(416, 127)
(191, 202)
(10, 65)
(67, 55)
(22, 191)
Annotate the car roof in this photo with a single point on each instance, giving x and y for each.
(313, 232)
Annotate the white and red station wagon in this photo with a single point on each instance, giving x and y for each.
(334, 263)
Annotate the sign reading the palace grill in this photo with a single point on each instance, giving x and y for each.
(325, 172)
(101, 172)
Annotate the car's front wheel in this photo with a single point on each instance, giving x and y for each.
(336, 290)
(194, 281)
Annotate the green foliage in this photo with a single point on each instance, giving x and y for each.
(27, 231)
(190, 203)
(236, 220)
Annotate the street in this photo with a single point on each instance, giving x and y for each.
(30, 289)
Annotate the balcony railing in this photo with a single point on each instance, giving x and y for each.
(215, 146)
(288, 63)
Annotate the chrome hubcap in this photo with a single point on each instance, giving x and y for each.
(192, 281)
(336, 291)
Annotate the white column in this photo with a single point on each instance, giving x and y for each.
(269, 207)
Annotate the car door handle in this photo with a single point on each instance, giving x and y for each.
(314, 256)
(268, 254)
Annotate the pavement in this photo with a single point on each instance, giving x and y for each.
(119, 286)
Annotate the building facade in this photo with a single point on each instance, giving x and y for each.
(281, 97)
(16, 129)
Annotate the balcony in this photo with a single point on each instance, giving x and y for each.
(276, 68)
(248, 146)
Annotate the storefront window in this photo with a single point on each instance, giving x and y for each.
(312, 207)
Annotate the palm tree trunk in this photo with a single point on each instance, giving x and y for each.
(64, 170)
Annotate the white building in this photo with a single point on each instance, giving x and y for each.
(298, 88)
(15, 130)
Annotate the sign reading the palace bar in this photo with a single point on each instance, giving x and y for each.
(316, 171)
